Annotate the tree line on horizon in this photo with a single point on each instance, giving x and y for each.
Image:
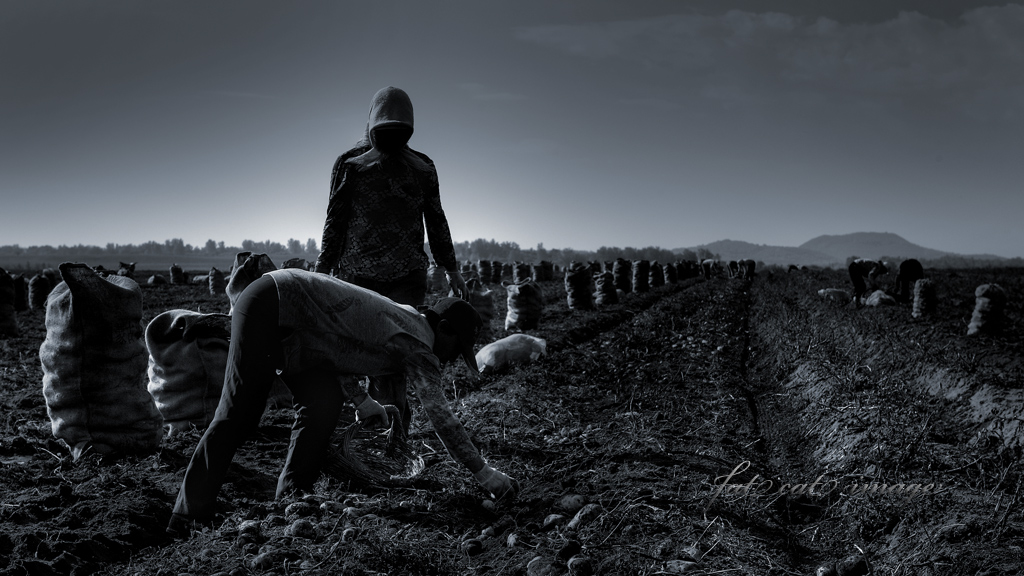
(479, 249)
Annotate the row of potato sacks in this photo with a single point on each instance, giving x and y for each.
(109, 386)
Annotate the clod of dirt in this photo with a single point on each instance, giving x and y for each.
(826, 570)
(853, 566)
(541, 566)
(301, 528)
(349, 534)
(570, 549)
(249, 528)
(680, 566)
(552, 520)
(472, 547)
(571, 503)
(488, 505)
(586, 515)
(511, 540)
(580, 566)
(299, 510)
(332, 507)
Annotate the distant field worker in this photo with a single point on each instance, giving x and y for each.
(382, 193)
(864, 274)
(910, 271)
(319, 332)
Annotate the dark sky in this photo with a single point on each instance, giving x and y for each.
(573, 124)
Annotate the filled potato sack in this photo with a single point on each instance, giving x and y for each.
(125, 269)
(157, 280)
(8, 320)
(605, 292)
(925, 301)
(300, 263)
(657, 275)
(177, 275)
(20, 292)
(483, 270)
(514, 349)
(989, 301)
(496, 271)
(482, 300)
(671, 275)
(188, 353)
(577, 287)
(94, 365)
(622, 273)
(39, 288)
(521, 272)
(641, 275)
(216, 282)
(437, 279)
(247, 268)
(525, 305)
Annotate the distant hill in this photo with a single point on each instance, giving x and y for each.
(832, 251)
(870, 245)
(780, 255)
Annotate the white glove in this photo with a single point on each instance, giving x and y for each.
(370, 409)
(496, 483)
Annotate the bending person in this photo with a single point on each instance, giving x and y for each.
(319, 332)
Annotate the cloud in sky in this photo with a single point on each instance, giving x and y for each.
(961, 68)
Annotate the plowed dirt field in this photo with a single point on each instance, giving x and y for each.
(718, 426)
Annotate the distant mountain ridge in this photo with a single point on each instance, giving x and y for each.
(828, 250)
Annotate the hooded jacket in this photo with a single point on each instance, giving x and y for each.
(382, 193)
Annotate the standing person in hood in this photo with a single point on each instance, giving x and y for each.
(382, 193)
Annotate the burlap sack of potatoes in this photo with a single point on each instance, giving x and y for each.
(641, 276)
(605, 293)
(188, 353)
(525, 305)
(94, 365)
(579, 294)
(247, 268)
(8, 320)
(216, 282)
(989, 301)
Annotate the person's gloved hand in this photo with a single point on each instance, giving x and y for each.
(496, 483)
(371, 412)
(457, 284)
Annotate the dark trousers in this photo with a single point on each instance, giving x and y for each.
(254, 355)
(410, 290)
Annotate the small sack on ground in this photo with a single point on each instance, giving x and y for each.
(879, 298)
(94, 365)
(517, 348)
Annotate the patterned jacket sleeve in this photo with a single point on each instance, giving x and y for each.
(423, 371)
(438, 234)
(336, 223)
